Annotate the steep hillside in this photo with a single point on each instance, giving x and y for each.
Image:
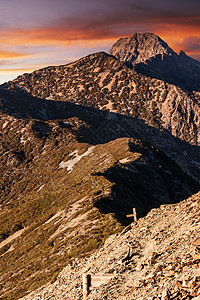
(157, 258)
(101, 81)
(151, 56)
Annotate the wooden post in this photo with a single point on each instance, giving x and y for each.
(86, 284)
(93, 281)
(134, 215)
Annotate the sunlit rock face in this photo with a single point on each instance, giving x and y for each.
(140, 47)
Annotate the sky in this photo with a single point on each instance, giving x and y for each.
(39, 33)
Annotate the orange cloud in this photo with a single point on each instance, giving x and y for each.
(9, 54)
(90, 32)
(171, 32)
(55, 36)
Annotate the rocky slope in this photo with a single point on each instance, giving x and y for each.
(156, 258)
(151, 56)
(103, 82)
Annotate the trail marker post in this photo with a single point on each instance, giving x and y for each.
(86, 284)
(134, 215)
(91, 281)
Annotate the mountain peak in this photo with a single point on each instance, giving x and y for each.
(140, 47)
(182, 53)
(151, 56)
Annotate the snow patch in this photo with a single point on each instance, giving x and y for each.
(124, 160)
(41, 187)
(70, 163)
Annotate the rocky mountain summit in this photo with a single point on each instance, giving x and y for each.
(156, 258)
(151, 56)
(139, 48)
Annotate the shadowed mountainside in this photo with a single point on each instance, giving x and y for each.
(103, 82)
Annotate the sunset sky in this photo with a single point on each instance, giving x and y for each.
(39, 33)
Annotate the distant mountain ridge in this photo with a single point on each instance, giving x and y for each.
(151, 56)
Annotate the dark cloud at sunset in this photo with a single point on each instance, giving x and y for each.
(31, 27)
